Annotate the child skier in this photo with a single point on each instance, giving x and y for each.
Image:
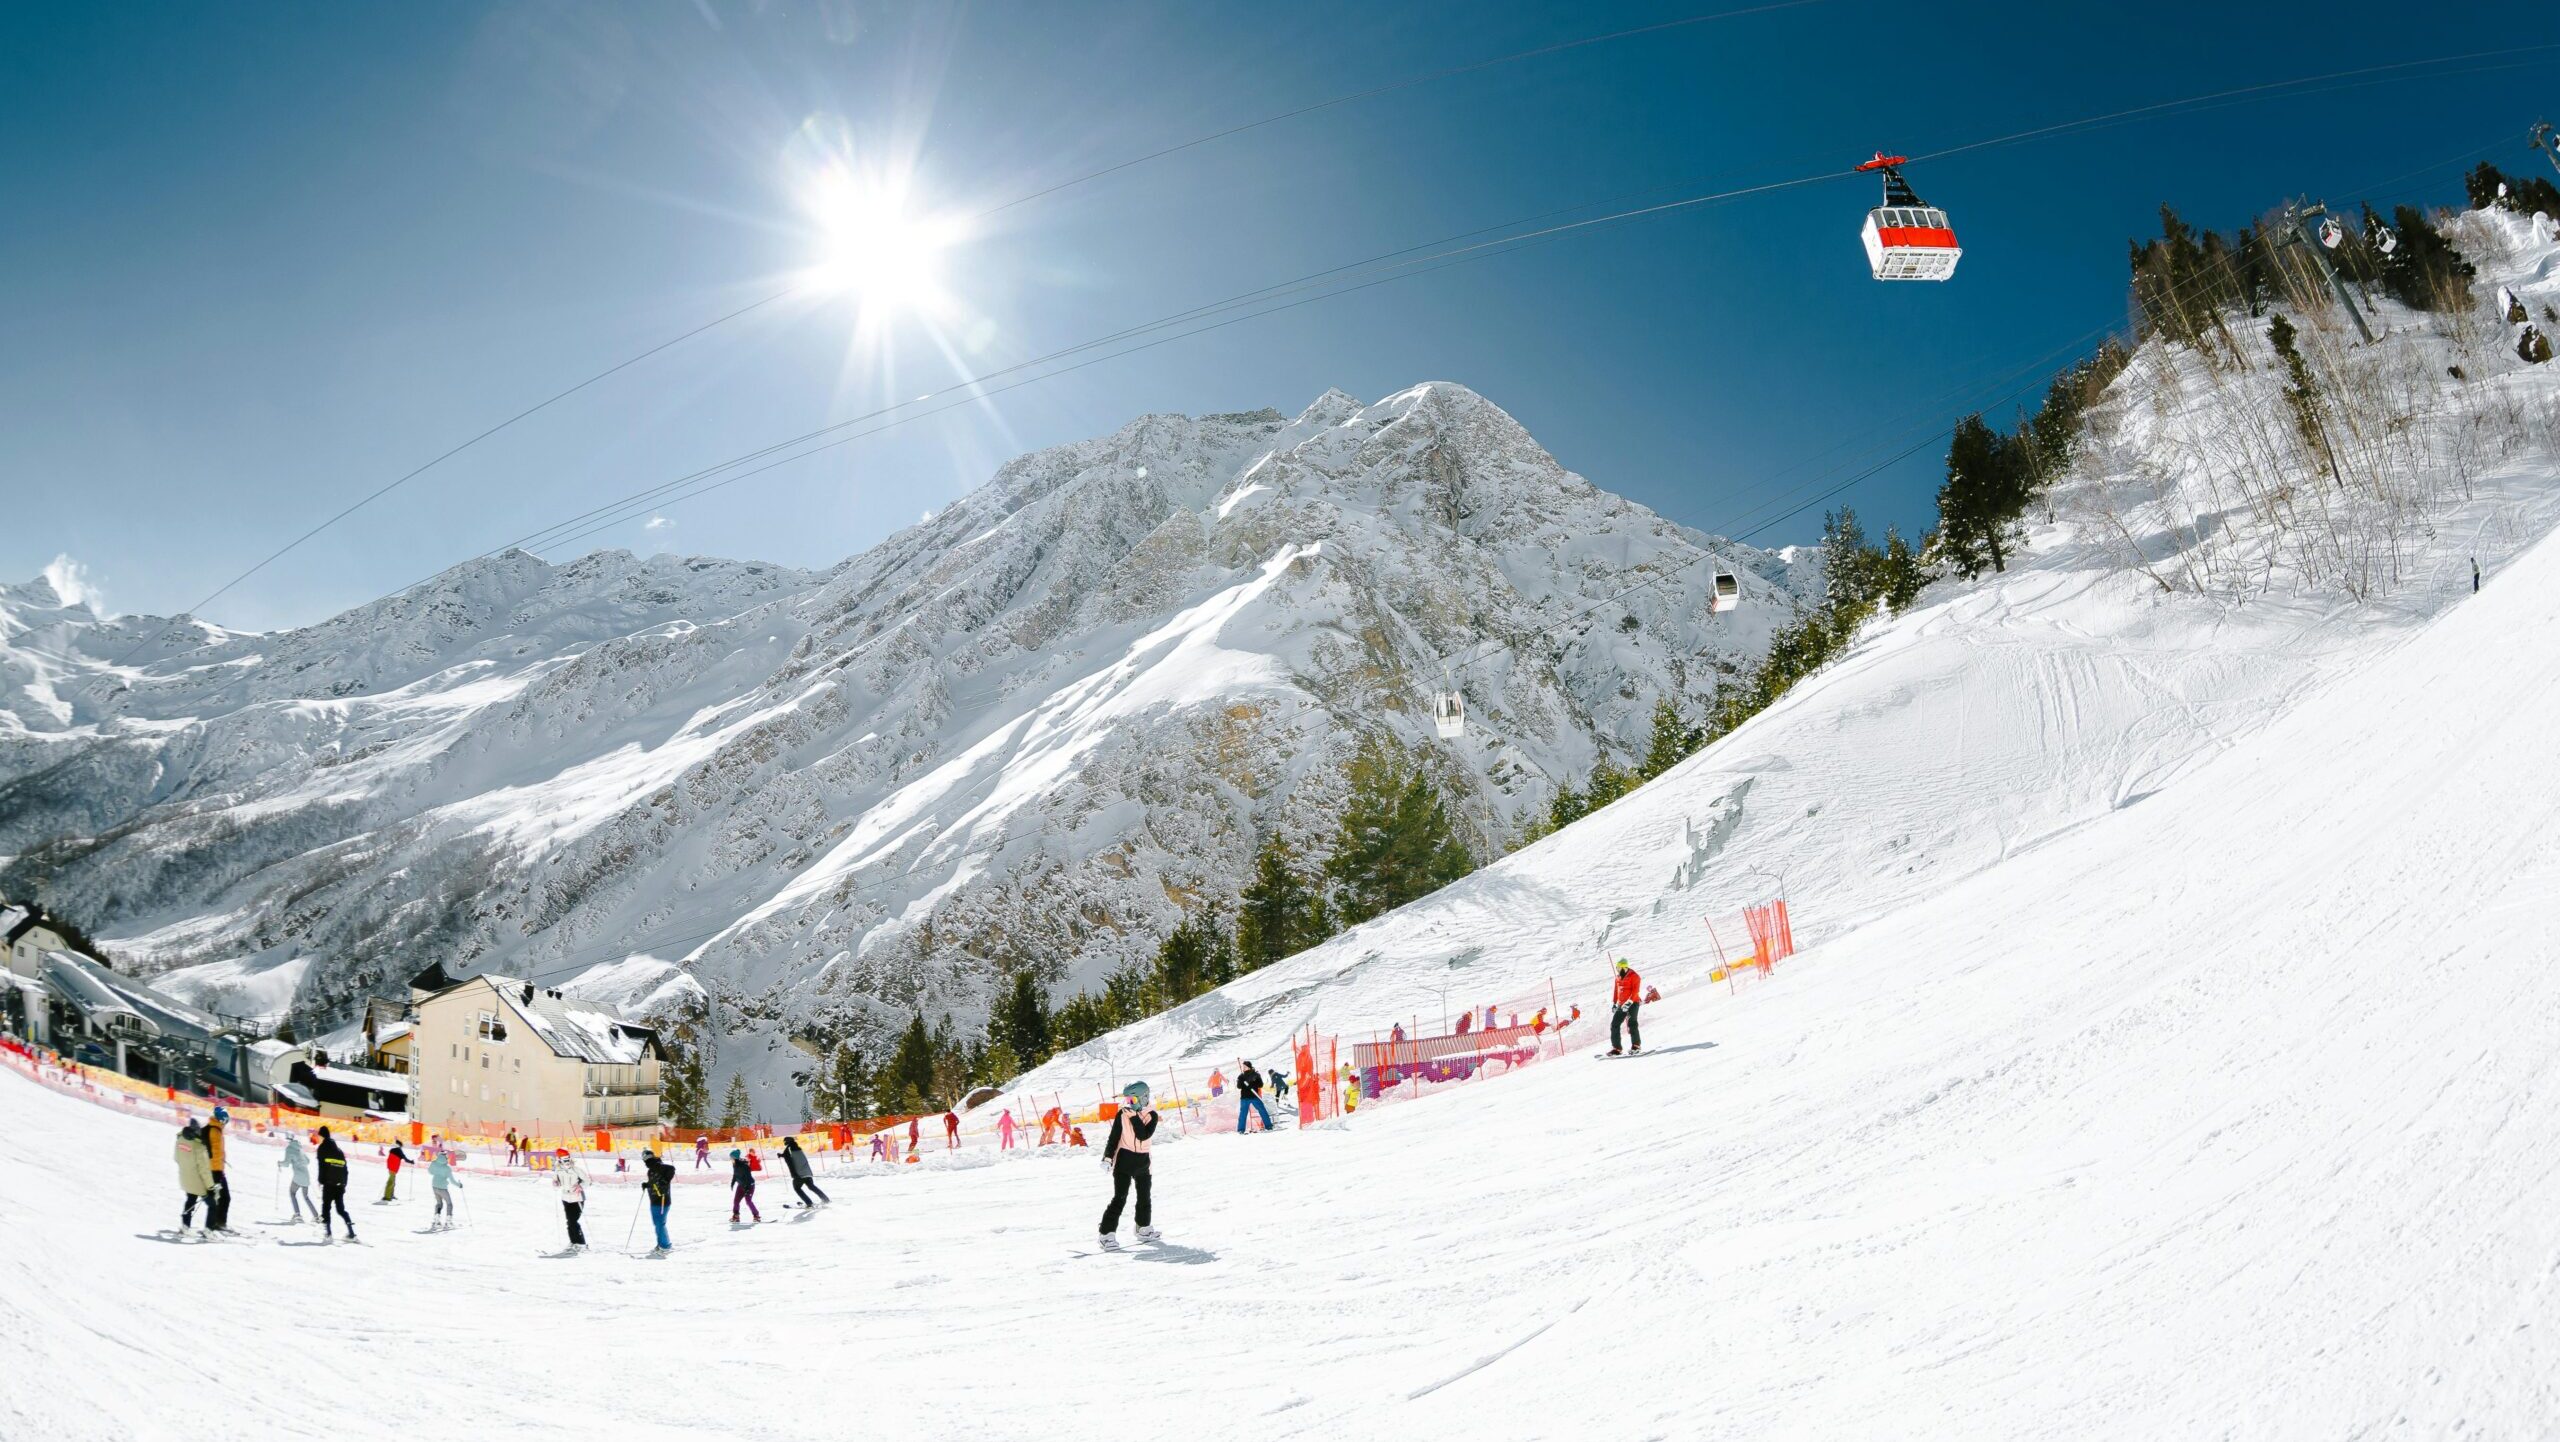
(660, 1184)
(1125, 1157)
(440, 1181)
(796, 1162)
(570, 1184)
(1625, 999)
(194, 1176)
(299, 1190)
(701, 1153)
(742, 1186)
(333, 1184)
(1004, 1129)
(391, 1182)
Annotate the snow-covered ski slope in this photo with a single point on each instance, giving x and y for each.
(2228, 1114)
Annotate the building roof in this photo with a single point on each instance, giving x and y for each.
(362, 1078)
(17, 921)
(102, 993)
(580, 1030)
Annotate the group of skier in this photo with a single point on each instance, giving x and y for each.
(1127, 1156)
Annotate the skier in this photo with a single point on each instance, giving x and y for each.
(701, 1153)
(194, 1176)
(755, 1161)
(1124, 1156)
(1351, 1088)
(333, 1184)
(796, 1162)
(391, 1182)
(1004, 1129)
(1052, 1122)
(1249, 1097)
(513, 1146)
(440, 1181)
(880, 1145)
(571, 1185)
(299, 1192)
(1217, 1084)
(1624, 1001)
(915, 1136)
(217, 1217)
(1279, 1084)
(742, 1186)
(950, 1130)
(660, 1186)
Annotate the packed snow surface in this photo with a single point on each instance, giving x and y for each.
(2227, 1113)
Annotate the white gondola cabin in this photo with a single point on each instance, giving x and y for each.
(1907, 239)
(1449, 714)
(1727, 594)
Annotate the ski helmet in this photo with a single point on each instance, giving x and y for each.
(222, 1113)
(1135, 1091)
(560, 1152)
(1625, 965)
(734, 1154)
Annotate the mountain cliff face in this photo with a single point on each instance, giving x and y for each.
(1034, 731)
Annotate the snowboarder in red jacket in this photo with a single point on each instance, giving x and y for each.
(1624, 1001)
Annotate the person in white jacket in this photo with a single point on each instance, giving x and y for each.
(298, 1162)
(571, 1184)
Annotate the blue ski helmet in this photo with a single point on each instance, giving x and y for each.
(1135, 1091)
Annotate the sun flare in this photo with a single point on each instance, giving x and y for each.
(875, 247)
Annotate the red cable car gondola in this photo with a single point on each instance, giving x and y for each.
(1907, 239)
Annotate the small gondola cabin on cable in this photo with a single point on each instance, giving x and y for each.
(1726, 595)
(1449, 715)
(1907, 239)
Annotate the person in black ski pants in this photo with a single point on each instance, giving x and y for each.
(1124, 1155)
(333, 1184)
(797, 1162)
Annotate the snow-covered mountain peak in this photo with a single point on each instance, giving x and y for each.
(1039, 728)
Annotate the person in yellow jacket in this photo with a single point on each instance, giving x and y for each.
(1350, 1090)
(217, 1216)
(193, 1175)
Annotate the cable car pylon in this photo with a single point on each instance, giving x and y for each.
(1907, 238)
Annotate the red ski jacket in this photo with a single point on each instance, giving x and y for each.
(1628, 989)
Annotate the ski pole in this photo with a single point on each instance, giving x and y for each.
(634, 1229)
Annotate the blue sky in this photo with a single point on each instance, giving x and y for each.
(255, 261)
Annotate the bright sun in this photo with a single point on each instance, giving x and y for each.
(877, 250)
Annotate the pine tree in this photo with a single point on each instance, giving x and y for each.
(1608, 782)
(908, 1081)
(2301, 394)
(842, 1087)
(1984, 494)
(1396, 841)
(737, 1109)
(1904, 575)
(1194, 958)
(1673, 740)
(1281, 913)
(2426, 272)
(2488, 187)
(1021, 1021)
(683, 1096)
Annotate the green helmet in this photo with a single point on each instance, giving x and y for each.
(1135, 1091)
